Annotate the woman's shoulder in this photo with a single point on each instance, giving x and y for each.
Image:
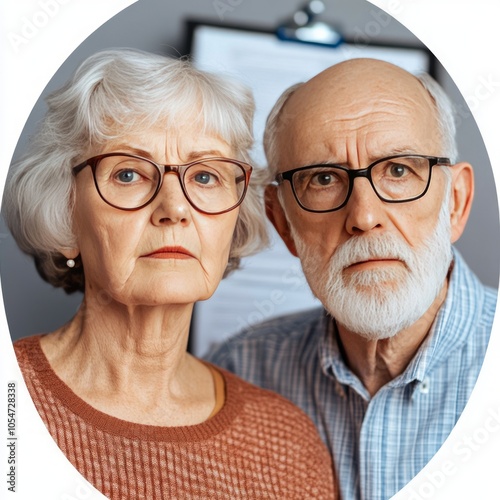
(283, 432)
(29, 354)
(262, 405)
(27, 347)
(251, 391)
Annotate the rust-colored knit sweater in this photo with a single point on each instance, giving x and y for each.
(257, 446)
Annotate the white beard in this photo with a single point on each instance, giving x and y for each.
(379, 303)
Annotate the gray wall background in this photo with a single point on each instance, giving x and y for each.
(33, 306)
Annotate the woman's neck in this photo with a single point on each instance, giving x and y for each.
(131, 362)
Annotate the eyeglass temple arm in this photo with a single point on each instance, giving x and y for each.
(78, 168)
(443, 161)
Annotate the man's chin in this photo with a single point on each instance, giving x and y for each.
(371, 282)
(377, 329)
(378, 335)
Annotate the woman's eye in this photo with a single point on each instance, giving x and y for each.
(127, 176)
(204, 178)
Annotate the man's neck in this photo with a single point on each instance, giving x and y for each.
(377, 362)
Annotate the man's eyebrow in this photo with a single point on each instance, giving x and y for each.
(401, 150)
(396, 151)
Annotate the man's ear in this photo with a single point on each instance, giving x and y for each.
(462, 194)
(276, 215)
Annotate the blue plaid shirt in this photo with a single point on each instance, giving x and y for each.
(378, 443)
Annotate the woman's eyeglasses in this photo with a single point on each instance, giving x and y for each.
(130, 182)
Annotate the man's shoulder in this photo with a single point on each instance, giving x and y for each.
(288, 336)
(489, 304)
(466, 319)
(292, 327)
(474, 296)
(490, 295)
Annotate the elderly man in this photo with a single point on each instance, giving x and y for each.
(369, 196)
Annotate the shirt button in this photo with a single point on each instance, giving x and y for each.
(339, 390)
(424, 386)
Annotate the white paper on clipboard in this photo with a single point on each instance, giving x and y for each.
(270, 283)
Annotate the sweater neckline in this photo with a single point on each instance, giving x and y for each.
(65, 396)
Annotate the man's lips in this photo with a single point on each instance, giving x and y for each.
(374, 261)
(170, 253)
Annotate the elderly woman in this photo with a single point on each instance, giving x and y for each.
(133, 192)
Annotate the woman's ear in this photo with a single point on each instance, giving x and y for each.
(277, 216)
(462, 194)
(70, 252)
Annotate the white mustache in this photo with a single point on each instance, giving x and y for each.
(362, 248)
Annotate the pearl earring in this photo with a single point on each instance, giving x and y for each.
(70, 263)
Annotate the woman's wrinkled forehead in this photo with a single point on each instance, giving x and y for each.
(193, 120)
(178, 144)
(179, 133)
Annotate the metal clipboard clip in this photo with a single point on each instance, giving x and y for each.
(304, 27)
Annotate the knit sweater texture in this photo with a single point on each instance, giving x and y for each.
(257, 446)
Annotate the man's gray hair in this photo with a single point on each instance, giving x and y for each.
(113, 93)
(445, 113)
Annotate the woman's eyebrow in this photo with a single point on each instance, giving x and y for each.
(195, 155)
(133, 150)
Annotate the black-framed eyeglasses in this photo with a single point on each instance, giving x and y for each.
(395, 179)
(129, 182)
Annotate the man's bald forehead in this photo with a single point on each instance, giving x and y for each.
(350, 90)
(353, 68)
(359, 78)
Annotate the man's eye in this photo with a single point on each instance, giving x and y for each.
(323, 179)
(397, 170)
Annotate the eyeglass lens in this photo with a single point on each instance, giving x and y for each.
(211, 186)
(326, 187)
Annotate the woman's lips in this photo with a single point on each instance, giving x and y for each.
(170, 253)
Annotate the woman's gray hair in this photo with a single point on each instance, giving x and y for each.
(445, 113)
(113, 93)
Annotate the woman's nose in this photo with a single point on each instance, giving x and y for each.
(171, 205)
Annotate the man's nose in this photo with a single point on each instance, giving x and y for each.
(365, 210)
